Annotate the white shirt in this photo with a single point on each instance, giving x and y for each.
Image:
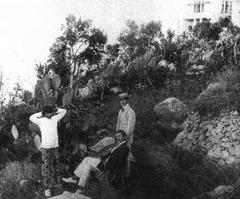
(126, 121)
(48, 128)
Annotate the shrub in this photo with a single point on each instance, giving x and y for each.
(212, 100)
(11, 176)
(173, 173)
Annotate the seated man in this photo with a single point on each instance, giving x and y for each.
(113, 161)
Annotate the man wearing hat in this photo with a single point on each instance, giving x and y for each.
(126, 122)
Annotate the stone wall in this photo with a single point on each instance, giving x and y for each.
(218, 137)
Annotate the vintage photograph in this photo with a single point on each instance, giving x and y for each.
(120, 99)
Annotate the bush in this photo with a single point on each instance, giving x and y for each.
(13, 174)
(212, 100)
(221, 95)
(173, 173)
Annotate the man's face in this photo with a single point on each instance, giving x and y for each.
(119, 138)
(123, 102)
(48, 115)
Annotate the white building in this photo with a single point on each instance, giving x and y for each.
(211, 10)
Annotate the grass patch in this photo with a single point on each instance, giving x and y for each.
(16, 172)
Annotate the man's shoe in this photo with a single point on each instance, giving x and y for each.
(48, 193)
(69, 180)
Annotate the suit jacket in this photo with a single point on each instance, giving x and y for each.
(126, 122)
(116, 159)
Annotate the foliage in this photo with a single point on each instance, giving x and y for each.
(207, 30)
(223, 94)
(80, 44)
(144, 58)
(11, 177)
(14, 114)
(173, 173)
(136, 40)
(230, 79)
(212, 100)
(17, 95)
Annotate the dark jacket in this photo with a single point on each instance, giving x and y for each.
(115, 160)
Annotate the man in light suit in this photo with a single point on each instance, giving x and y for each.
(126, 122)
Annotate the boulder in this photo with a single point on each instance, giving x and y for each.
(171, 108)
(171, 113)
(69, 195)
(218, 192)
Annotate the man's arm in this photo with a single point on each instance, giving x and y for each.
(35, 118)
(118, 122)
(60, 114)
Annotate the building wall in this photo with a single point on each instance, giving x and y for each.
(212, 11)
(236, 12)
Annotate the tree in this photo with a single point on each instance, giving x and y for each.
(79, 43)
(112, 50)
(138, 40)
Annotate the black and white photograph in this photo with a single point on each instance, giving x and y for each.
(120, 99)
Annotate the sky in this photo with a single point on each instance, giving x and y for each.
(29, 27)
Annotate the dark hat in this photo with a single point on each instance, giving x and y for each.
(123, 96)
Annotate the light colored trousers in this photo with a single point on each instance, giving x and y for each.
(84, 168)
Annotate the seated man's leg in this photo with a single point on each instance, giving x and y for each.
(83, 170)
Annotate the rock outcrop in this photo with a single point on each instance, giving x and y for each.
(171, 113)
(218, 137)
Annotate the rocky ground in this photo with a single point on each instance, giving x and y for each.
(218, 137)
(161, 170)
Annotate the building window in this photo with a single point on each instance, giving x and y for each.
(202, 7)
(227, 7)
(198, 7)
